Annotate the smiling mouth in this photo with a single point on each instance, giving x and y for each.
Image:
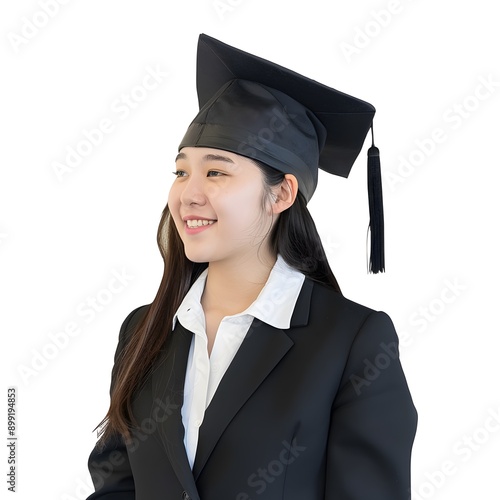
(199, 223)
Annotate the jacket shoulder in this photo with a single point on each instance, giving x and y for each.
(129, 325)
(326, 296)
(133, 319)
(330, 310)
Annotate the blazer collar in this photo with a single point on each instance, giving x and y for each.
(262, 349)
(300, 316)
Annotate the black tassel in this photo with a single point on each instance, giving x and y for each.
(375, 202)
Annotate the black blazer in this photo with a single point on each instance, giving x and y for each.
(319, 411)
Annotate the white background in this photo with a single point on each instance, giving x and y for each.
(62, 237)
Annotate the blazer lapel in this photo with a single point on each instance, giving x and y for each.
(262, 349)
(168, 385)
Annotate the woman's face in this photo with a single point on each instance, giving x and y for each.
(216, 204)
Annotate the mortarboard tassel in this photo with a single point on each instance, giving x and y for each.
(375, 202)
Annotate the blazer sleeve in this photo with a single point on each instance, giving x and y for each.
(373, 420)
(109, 465)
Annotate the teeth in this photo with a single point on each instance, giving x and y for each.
(199, 222)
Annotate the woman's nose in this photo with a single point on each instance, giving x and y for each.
(193, 191)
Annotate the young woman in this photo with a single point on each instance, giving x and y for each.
(250, 375)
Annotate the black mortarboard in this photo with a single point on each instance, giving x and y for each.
(258, 109)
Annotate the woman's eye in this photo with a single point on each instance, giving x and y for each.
(211, 173)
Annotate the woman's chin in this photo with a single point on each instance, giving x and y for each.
(198, 255)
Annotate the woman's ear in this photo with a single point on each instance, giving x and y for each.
(284, 195)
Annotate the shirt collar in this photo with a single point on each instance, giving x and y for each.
(274, 305)
(192, 300)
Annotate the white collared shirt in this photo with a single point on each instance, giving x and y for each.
(274, 306)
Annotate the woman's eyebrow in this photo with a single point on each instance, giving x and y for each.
(212, 157)
(209, 157)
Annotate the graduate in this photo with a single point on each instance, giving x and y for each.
(250, 375)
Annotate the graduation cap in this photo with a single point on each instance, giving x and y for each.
(258, 109)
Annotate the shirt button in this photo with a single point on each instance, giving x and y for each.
(185, 496)
(198, 423)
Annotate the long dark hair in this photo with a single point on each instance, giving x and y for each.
(294, 236)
